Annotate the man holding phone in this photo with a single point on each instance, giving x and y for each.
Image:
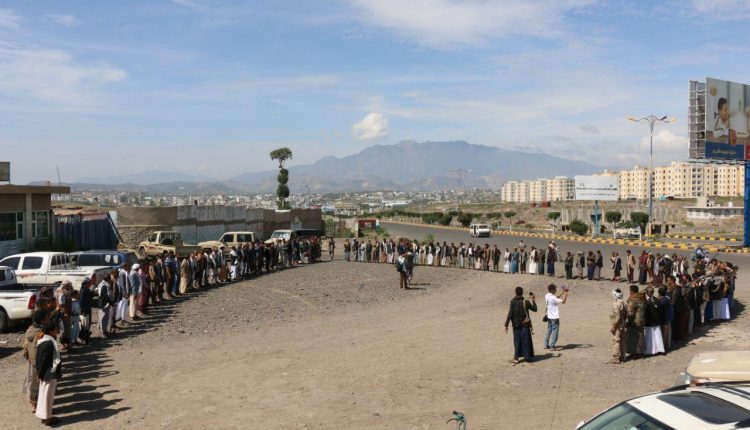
(553, 302)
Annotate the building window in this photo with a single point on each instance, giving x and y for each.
(11, 226)
(40, 224)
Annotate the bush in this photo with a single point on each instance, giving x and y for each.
(445, 219)
(553, 216)
(613, 216)
(639, 218)
(578, 227)
(466, 218)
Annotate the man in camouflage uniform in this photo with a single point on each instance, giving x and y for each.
(617, 318)
(635, 339)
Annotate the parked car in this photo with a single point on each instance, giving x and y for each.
(717, 366)
(230, 239)
(308, 232)
(16, 300)
(715, 406)
(51, 268)
(628, 233)
(103, 258)
(161, 241)
(279, 235)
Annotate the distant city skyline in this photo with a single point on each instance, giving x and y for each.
(209, 88)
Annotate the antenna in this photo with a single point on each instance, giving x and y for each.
(59, 181)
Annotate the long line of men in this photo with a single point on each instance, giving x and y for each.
(62, 317)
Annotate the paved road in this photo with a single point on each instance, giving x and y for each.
(507, 241)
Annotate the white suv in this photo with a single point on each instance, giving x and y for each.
(716, 406)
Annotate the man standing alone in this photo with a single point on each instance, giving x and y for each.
(553, 315)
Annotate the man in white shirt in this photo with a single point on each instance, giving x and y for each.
(553, 315)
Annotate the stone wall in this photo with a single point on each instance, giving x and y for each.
(201, 223)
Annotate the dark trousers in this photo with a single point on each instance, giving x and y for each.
(568, 272)
(522, 345)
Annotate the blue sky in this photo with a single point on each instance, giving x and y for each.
(210, 87)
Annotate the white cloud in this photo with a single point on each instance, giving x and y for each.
(451, 23)
(52, 76)
(189, 4)
(721, 10)
(9, 19)
(666, 141)
(64, 20)
(373, 126)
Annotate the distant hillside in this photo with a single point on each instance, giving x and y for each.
(419, 166)
(408, 166)
(147, 178)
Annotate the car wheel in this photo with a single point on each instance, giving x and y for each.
(3, 321)
(141, 253)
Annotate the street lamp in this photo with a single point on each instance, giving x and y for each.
(459, 173)
(651, 120)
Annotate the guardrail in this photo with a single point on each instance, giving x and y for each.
(583, 239)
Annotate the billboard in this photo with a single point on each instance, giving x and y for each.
(597, 188)
(727, 120)
(4, 171)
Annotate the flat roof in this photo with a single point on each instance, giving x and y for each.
(34, 189)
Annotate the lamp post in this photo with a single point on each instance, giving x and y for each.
(651, 120)
(459, 173)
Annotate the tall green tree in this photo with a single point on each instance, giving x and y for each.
(640, 219)
(614, 217)
(509, 215)
(282, 190)
(553, 216)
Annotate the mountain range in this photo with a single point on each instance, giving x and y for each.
(408, 166)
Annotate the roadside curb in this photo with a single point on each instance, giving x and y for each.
(714, 238)
(640, 243)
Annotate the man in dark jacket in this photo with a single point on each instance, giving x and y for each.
(518, 315)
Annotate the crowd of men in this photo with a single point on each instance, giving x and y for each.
(679, 295)
(62, 318)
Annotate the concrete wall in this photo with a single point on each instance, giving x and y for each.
(669, 215)
(201, 223)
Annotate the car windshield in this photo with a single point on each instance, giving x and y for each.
(624, 417)
(708, 408)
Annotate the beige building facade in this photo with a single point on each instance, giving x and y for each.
(556, 189)
(680, 180)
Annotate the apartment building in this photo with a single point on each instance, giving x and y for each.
(680, 179)
(556, 189)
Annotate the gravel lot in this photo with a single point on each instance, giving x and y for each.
(338, 345)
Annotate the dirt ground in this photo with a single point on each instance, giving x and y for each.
(338, 345)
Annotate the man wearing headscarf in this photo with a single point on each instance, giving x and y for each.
(617, 326)
(134, 279)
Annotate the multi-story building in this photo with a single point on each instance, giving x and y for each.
(556, 189)
(680, 179)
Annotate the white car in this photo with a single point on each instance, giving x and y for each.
(51, 268)
(279, 235)
(720, 406)
(479, 230)
(716, 366)
(16, 301)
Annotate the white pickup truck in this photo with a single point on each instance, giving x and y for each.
(16, 301)
(51, 268)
